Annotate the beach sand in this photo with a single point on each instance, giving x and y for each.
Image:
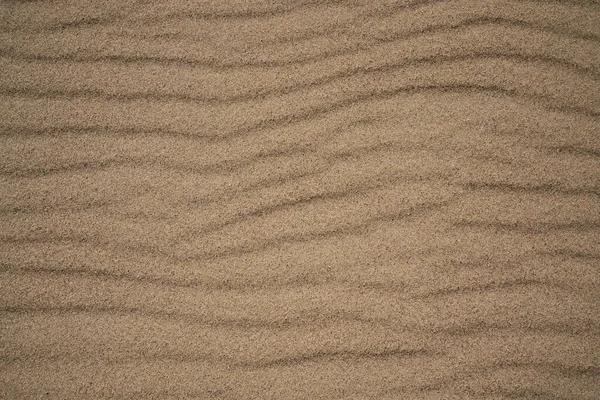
(307, 199)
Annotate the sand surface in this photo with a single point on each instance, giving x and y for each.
(304, 199)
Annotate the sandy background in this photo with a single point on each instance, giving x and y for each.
(300, 199)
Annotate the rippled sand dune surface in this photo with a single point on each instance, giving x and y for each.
(300, 199)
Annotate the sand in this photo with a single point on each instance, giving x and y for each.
(300, 199)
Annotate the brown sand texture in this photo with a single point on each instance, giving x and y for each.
(300, 199)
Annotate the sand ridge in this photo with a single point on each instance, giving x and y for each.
(316, 199)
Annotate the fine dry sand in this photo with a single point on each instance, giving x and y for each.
(301, 199)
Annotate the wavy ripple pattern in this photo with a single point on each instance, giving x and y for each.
(317, 199)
